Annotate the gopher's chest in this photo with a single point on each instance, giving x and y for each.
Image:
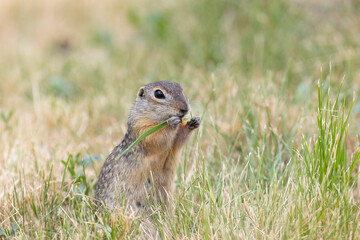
(155, 162)
(154, 169)
(152, 181)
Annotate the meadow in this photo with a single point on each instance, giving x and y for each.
(275, 82)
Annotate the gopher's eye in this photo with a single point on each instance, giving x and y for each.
(159, 94)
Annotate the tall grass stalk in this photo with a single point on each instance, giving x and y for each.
(325, 157)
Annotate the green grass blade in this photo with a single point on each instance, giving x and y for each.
(144, 135)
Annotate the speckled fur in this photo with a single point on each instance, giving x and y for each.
(146, 173)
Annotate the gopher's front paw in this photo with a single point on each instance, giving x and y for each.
(194, 122)
(174, 121)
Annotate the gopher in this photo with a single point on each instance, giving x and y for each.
(146, 173)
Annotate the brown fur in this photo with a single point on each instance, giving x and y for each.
(148, 170)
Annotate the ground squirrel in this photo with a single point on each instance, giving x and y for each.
(147, 171)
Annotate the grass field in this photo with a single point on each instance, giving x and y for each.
(276, 83)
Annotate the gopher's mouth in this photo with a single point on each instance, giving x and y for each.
(184, 116)
(181, 115)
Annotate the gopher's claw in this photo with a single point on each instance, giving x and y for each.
(174, 122)
(194, 122)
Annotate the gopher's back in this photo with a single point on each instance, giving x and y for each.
(115, 180)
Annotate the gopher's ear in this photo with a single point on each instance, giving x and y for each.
(141, 92)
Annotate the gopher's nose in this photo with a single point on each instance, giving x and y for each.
(184, 111)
